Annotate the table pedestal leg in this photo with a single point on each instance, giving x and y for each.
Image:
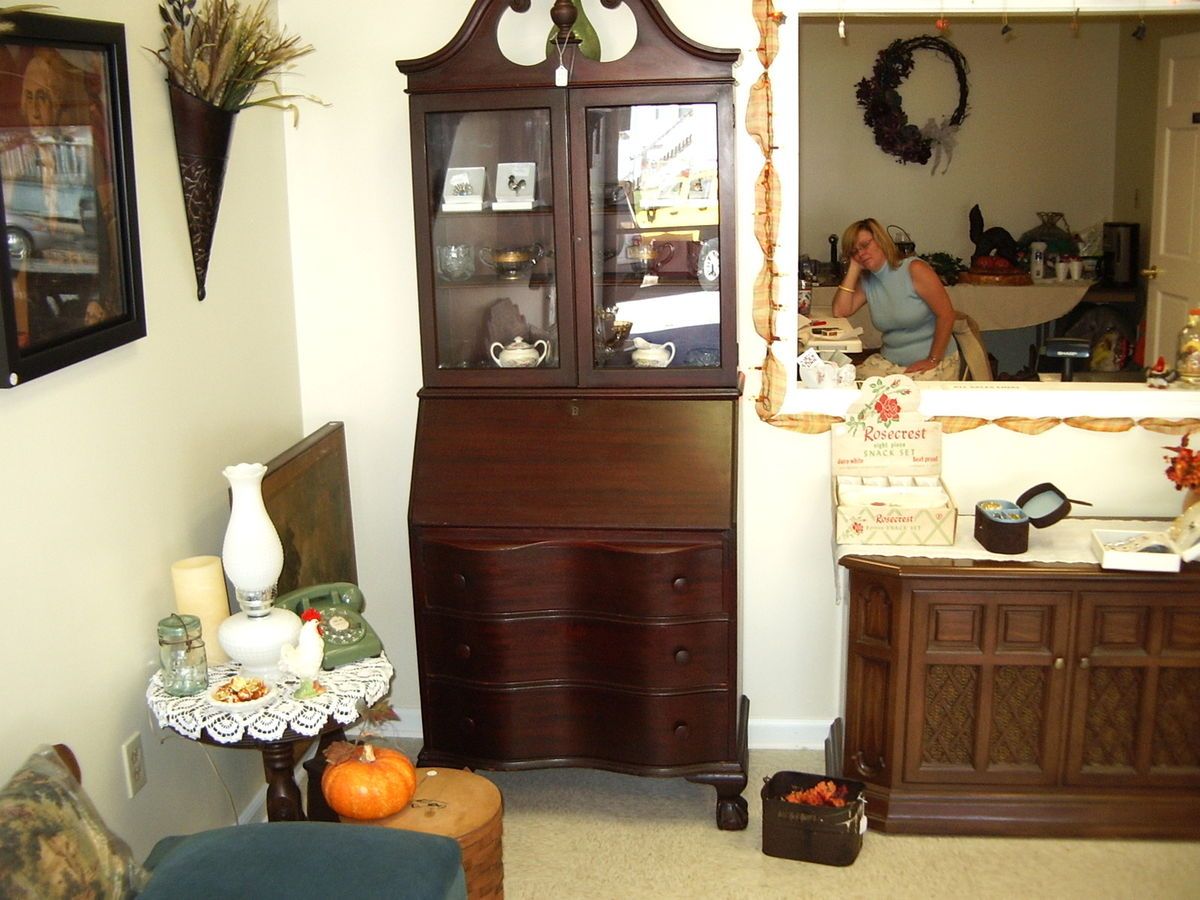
(283, 796)
(318, 809)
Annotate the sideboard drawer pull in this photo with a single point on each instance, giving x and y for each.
(463, 651)
(682, 657)
(681, 730)
(460, 581)
(680, 584)
(1085, 663)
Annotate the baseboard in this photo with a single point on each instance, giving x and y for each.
(763, 734)
(788, 734)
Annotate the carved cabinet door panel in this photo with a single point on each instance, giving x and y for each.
(1135, 713)
(986, 686)
(874, 677)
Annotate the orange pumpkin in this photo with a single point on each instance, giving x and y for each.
(370, 783)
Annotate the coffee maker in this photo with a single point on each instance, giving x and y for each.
(1120, 254)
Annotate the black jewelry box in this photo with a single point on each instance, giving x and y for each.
(1002, 526)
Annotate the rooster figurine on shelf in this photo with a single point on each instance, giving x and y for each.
(304, 660)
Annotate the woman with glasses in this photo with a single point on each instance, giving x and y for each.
(907, 302)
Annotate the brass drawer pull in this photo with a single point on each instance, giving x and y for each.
(1085, 663)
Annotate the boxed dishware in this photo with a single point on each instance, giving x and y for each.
(799, 823)
(1150, 551)
(887, 463)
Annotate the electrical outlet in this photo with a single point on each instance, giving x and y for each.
(135, 764)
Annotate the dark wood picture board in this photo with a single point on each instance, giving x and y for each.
(307, 494)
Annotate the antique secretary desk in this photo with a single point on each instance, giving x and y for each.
(572, 518)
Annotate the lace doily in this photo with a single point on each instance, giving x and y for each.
(346, 687)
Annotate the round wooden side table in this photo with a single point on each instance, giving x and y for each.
(466, 807)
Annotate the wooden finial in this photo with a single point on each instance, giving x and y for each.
(564, 14)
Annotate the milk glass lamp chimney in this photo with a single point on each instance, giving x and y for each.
(253, 558)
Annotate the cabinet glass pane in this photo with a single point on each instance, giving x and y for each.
(492, 221)
(652, 175)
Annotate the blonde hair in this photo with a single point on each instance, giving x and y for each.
(877, 231)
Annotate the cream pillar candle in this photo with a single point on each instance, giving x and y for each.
(200, 591)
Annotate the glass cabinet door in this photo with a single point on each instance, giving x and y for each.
(655, 227)
(494, 263)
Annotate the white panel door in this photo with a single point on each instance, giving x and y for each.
(1175, 226)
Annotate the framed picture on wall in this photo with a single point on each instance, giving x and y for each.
(70, 272)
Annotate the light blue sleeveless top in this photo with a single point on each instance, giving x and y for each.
(901, 316)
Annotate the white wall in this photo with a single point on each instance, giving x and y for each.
(1039, 132)
(352, 222)
(356, 302)
(112, 467)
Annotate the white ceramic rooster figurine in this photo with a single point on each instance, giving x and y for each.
(304, 660)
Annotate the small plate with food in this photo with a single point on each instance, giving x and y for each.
(241, 694)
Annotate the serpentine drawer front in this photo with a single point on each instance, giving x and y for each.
(578, 649)
(578, 723)
(569, 574)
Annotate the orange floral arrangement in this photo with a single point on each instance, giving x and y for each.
(1184, 467)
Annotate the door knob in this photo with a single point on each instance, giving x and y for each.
(1153, 272)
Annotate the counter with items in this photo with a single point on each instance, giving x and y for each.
(993, 307)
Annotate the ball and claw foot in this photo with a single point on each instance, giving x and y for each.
(732, 814)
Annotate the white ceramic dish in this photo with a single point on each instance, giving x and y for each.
(246, 705)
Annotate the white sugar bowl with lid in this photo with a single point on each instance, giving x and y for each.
(652, 356)
(519, 354)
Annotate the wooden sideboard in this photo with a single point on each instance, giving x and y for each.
(1009, 698)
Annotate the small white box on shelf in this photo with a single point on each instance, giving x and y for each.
(515, 183)
(1150, 551)
(464, 189)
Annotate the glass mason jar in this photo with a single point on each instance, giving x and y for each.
(181, 654)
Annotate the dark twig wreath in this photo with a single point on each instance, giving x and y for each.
(883, 110)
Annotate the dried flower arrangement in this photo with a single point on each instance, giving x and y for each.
(222, 53)
(1184, 467)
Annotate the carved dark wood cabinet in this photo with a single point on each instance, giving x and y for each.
(572, 518)
(1023, 699)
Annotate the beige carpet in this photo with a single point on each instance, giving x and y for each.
(579, 833)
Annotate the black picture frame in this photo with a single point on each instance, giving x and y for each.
(70, 269)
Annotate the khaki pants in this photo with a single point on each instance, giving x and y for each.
(875, 364)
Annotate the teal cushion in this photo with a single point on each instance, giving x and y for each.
(306, 859)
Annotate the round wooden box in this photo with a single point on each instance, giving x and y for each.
(466, 807)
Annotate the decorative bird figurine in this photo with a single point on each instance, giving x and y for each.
(304, 660)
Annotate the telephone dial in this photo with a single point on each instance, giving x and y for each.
(348, 638)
